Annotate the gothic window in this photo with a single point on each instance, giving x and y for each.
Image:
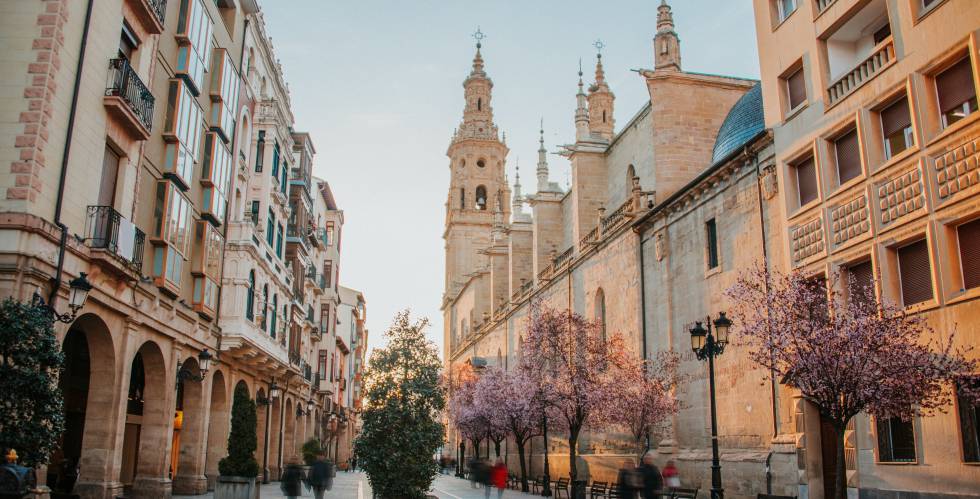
(481, 198)
(600, 311)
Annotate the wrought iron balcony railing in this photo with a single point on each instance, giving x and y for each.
(127, 85)
(106, 229)
(159, 8)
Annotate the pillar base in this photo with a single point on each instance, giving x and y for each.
(151, 487)
(98, 490)
(190, 485)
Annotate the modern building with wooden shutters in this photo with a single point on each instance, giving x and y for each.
(878, 163)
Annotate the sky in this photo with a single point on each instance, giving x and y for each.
(378, 84)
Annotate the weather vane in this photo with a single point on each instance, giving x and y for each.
(478, 36)
(599, 46)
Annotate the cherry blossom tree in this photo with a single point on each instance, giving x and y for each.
(463, 413)
(578, 373)
(844, 350)
(486, 403)
(650, 396)
(507, 397)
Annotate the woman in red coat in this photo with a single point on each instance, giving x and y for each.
(498, 477)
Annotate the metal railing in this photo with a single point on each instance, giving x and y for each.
(102, 231)
(127, 85)
(881, 57)
(159, 8)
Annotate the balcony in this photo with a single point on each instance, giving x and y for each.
(823, 4)
(858, 50)
(150, 13)
(115, 241)
(128, 99)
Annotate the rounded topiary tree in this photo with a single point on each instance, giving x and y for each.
(241, 439)
(31, 409)
(401, 430)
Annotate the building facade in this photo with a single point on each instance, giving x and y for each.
(149, 146)
(873, 110)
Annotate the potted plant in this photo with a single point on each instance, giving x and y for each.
(239, 469)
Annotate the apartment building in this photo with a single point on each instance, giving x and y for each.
(152, 152)
(873, 106)
(348, 366)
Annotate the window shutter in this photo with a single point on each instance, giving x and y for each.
(848, 156)
(797, 89)
(969, 413)
(806, 180)
(955, 85)
(896, 117)
(969, 238)
(915, 272)
(860, 277)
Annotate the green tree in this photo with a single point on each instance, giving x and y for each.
(401, 430)
(241, 439)
(31, 408)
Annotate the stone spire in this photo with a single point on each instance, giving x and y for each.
(542, 170)
(666, 44)
(601, 101)
(517, 202)
(478, 114)
(581, 110)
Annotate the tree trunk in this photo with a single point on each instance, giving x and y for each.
(520, 452)
(572, 455)
(840, 485)
(496, 448)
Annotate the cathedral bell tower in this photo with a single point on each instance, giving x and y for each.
(666, 44)
(601, 101)
(478, 190)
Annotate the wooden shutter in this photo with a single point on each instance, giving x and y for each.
(915, 272)
(955, 85)
(969, 238)
(796, 87)
(806, 180)
(848, 156)
(896, 117)
(860, 277)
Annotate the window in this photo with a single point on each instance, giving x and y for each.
(915, 272)
(282, 178)
(796, 89)
(882, 33)
(224, 94)
(860, 282)
(127, 42)
(330, 233)
(270, 227)
(328, 272)
(215, 175)
(896, 440)
(279, 240)
(275, 160)
(194, 38)
(848, 154)
(321, 365)
(481, 162)
(462, 199)
(254, 212)
(481, 197)
(250, 297)
(260, 152)
(208, 251)
(110, 172)
(711, 233)
(896, 127)
(957, 95)
(171, 234)
(784, 8)
(600, 311)
(806, 180)
(275, 315)
(969, 413)
(968, 236)
(182, 132)
(265, 306)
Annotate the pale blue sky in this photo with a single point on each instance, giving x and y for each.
(378, 86)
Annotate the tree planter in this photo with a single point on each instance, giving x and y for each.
(236, 487)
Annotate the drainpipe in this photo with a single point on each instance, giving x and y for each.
(59, 197)
(643, 297)
(765, 262)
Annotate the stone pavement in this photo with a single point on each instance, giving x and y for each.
(355, 486)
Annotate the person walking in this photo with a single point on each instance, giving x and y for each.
(626, 483)
(672, 478)
(321, 476)
(292, 480)
(498, 476)
(653, 483)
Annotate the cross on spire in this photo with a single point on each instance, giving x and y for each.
(478, 36)
(599, 46)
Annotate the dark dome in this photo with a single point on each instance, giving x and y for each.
(744, 121)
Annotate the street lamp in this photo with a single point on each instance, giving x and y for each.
(708, 346)
(79, 288)
(309, 406)
(273, 390)
(203, 364)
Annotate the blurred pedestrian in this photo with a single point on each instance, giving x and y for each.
(498, 476)
(353, 463)
(292, 480)
(321, 476)
(653, 483)
(471, 468)
(626, 483)
(672, 478)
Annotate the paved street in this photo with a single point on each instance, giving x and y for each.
(355, 486)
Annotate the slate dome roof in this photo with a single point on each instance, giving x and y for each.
(744, 121)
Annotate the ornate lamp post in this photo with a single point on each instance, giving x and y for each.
(546, 486)
(267, 402)
(203, 365)
(79, 288)
(708, 346)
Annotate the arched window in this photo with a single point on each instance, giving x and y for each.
(603, 116)
(275, 314)
(462, 198)
(479, 104)
(250, 297)
(265, 305)
(600, 311)
(481, 198)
